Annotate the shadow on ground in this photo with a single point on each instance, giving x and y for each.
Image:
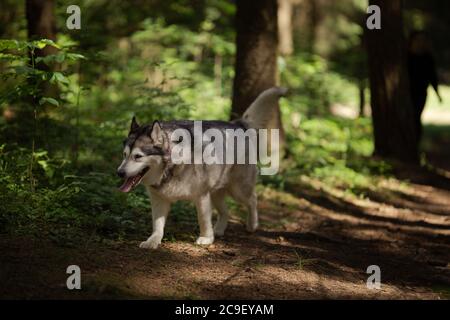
(318, 245)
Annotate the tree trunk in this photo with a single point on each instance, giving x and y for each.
(392, 112)
(8, 19)
(41, 23)
(313, 24)
(285, 46)
(256, 56)
(256, 52)
(362, 96)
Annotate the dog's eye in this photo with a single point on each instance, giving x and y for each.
(137, 156)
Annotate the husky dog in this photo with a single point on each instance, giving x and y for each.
(147, 160)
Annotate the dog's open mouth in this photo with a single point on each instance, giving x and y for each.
(132, 182)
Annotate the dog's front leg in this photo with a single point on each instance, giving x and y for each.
(160, 210)
(204, 214)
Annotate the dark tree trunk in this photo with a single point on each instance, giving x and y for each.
(8, 17)
(256, 52)
(256, 56)
(41, 23)
(392, 112)
(313, 23)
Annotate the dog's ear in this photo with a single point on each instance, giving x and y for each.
(156, 134)
(134, 125)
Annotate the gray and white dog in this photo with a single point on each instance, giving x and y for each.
(147, 159)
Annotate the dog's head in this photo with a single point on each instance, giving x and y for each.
(143, 155)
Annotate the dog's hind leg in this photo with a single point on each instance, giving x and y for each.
(252, 218)
(242, 189)
(204, 214)
(160, 210)
(218, 200)
(249, 199)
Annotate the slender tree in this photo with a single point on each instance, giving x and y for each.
(285, 46)
(392, 112)
(314, 19)
(41, 23)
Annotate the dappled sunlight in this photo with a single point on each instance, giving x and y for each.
(356, 185)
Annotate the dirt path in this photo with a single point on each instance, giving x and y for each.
(314, 242)
(312, 245)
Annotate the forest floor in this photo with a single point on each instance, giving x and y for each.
(313, 243)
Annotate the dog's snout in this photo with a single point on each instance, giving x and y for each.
(121, 173)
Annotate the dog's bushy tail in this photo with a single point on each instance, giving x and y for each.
(263, 109)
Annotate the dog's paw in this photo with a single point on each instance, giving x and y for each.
(204, 240)
(150, 243)
(219, 231)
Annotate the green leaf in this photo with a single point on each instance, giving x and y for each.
(52, 58)
(75, 56)
(41, 44)
(59, 77)
(49, 100)
(49, 171)
(10, 45)
(7, 56)
(39, 154)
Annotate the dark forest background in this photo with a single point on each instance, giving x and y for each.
(67, 98)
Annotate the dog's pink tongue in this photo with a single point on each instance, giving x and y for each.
(127, 185)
